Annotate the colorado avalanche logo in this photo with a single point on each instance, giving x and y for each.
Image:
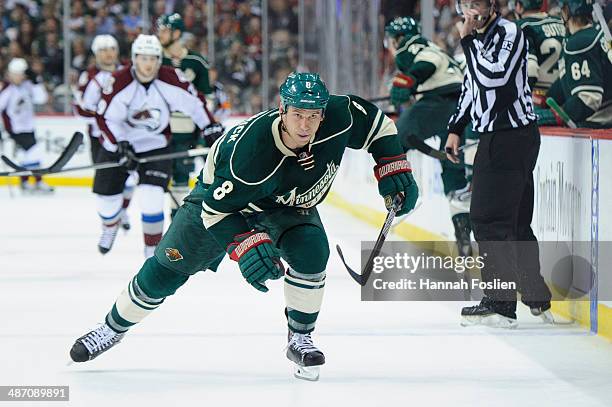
(145, 118)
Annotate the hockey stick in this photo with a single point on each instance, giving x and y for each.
(65, 156)
(552, 103)
(422, 147)
(195, 152)
(362, 278)
(599, 16)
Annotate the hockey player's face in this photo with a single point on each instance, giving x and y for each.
(16, 78)
(107, 56)
(165, 36)
(147, 67)
(301, 125)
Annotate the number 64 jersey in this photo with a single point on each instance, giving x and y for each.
(584, 88)
(250, 169)
(140, 113)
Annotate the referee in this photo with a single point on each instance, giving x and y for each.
(497, 100)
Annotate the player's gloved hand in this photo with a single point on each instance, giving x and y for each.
(127, 156)
(402, 89)
(548, 117)
(256, 258)
(394, 177)
(211, 133)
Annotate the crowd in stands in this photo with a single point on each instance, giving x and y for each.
(33, 29)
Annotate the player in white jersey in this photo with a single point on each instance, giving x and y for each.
(18, 96)
(133, 115)
(91, 82)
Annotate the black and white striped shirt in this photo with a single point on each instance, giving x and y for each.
(495, 94)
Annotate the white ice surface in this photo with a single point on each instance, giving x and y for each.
(219, 342)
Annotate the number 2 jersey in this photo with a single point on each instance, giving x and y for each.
(584, 87)
(545, 36)
(250, 170)
(140, 113)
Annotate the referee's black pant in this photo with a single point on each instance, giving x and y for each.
(501, 213)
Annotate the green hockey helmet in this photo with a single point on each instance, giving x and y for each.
(578, 7)
(304, 90)
(171, 21)
(407, 26)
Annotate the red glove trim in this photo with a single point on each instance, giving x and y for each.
(392, 168)
(238, 249)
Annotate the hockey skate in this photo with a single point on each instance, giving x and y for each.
(109, 233)
(94, 343)
(307, 358)
(39, 188)
(125, 221)
(461, 222)
(484, 314)
(542, 311)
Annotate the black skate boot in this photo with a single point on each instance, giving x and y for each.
(486, 314)
(463, 228)
(94, 343)
(307, 358)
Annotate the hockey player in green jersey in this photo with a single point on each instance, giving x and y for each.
(194, 68)
(545, 34)
(434, 79)
(256, 201)
(584, 87)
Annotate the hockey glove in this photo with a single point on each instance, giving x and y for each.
(402, 89)
(127, 156)
(394, 177)
(211, 133)
(256, 258)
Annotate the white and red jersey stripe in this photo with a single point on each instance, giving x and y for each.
(131, 111)
(17, 105)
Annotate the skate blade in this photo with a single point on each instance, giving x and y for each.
(310, 373)
(493, 321)
(547, 317)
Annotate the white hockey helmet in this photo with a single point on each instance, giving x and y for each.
(17, 65)
(103, 41)
(146, 45)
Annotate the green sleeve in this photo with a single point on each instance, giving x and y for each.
(372, 130)
(201, 81)
(556, 92)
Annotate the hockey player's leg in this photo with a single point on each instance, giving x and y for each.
(181, 169)
(457, 191)
(185, 249)
(153, 182)
(108, 184)
(128, 193)
(31, 159)
(109, 210)
(144, 293)
(151, 198)
(306, 249)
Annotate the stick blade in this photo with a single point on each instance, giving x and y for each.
(357, 277)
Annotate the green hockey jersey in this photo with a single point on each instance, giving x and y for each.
(250, 170)
(545, 35)
(584, 87)
(195, 69)
(434, 71)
